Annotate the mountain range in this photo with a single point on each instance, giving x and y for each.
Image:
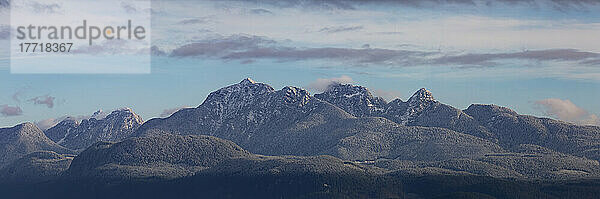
(339, 138)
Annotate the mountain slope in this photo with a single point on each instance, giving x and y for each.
(164, 156)
(513, 129)
(35, 167)
(421, 109)
(75, 135)
(20, 140)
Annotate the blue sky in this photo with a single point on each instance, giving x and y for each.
(536, 57)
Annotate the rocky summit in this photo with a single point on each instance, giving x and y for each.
(78, 135)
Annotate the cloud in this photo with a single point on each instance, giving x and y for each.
(388, 95)
(128, 7)
(114, 47)
(17, 96)
(156, 51)
(244, 47)
(4, 3)
(4, 31)
(561, 5)
(222, 46)
(193, 21)
(307, 4)
(44, 100)
(592, 62)
(45, 8)
(337, 29)
(260, 11)
(7, 111)
(169, 112)
(48, 123)
(567, 111)
(535, 55)
(322, 84)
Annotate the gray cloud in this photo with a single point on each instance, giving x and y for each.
(114, 46)
(567, 111)
(128, 7)
(260, 11)
(45, 8)
(242, 47)
(4, 3)
(592, 62)
(353, 56)
(222, 46)
(4, 31)
(44, 100)
(193, 21)
(322, 84)
(156, 51)
(7, 111)
(536, 55)
(309, 4)
(337, 29)
(562, 5)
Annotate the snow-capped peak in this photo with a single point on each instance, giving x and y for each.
(248, 81)
(422, 95)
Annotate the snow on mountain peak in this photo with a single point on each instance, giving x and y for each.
(248, 81)
(422, 95)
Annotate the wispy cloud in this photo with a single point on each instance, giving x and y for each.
(48, 123)
(338, 29)
(388, 95)
(322, 84)
(4, 3)
(170, 111)
(8, 111)
(114, 47)
(43, 100)
(45, 8)
(4, 31)
(193, 21)
(488, 59)
(128, 7)
(567, 111)
(353, 4)
(222, 46)
(260, 11)
(240, 47)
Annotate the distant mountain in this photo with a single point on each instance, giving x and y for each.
(513, 129)
(421, 109)
(356, 100)
(291, 122)
(35, 167)
(527, 162)
(20, 140)
(76, 135)
(164, 156)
